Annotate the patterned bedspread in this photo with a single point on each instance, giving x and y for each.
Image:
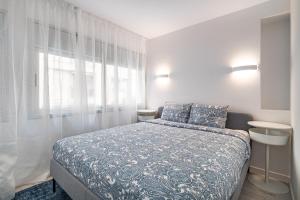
(156, 160)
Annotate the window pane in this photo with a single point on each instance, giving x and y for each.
(61, 81)
(94, 84)
(134, 86)
(127, 88)
(61, 76)
(110, 84)
(123, 85)
(61, 63)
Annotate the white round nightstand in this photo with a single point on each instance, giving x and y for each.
(269, 133)
(146, 114)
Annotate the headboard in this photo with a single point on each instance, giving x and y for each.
(234, 120)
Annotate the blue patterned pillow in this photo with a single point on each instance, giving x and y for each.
(176, 112)
(208, 115)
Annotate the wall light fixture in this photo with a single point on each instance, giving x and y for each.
(162, 76)
(244, 68)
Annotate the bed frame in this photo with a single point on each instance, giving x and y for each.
(78, 191)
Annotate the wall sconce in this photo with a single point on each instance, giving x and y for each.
(244, 68)
(162, 76)
(163, 80)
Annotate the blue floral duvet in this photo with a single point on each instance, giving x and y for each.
(156, 159)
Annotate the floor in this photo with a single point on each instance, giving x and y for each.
(44, 191)
(250, 192)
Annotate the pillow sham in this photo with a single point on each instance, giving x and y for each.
(208, 115)
(176, 112)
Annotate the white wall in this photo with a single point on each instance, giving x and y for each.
(295, 94)
(199, 60)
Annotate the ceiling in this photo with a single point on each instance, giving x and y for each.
(153, 18)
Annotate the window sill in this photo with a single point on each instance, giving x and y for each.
(64, 113)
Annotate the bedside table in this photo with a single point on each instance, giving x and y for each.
(145, 114)
(269, 133)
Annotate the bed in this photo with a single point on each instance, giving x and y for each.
(157, 159)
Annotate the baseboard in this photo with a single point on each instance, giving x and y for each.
(292, 190)
(281, 177)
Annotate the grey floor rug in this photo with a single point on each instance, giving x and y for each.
(42, 191)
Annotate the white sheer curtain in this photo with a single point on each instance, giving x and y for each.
(62, 72)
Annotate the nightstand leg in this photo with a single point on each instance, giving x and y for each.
(267, 160)
(267, 164)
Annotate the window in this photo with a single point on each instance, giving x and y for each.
(62, 82)
(63, 79)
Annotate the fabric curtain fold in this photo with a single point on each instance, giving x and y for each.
(63, 72)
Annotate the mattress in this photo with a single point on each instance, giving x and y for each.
(156, 159)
